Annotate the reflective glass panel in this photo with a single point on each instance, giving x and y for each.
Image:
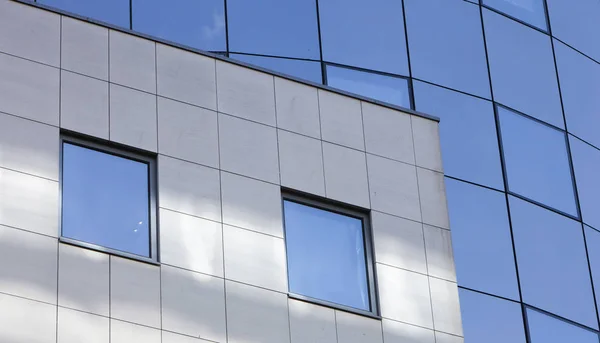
(537, 163)
(326, 255)
(393, 90)
(576, 23)
(274, 27)
(580, 84)
(105, 200)
(592, 240)
(365, 34)
(198, 24)
(530, 11)
(307, 70)
(483, 250)
(586, 163)
(546, 329)
(114, 12)
(522, 68)
(467, 133)
(489, 319)
(446, 45)
(552, 262)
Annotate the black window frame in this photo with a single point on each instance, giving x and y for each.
(344, 209)
(126, 152)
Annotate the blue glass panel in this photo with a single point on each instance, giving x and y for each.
(446, 45)
(580, 84)
(393, 90)
(552, 262)
(105, 200)
(483, 250)
(307, 70)
(489, 319)
(522, 68)
(532, 12)
(592, 240)
(586, 163)
(274, 27)
(546, 329)
(364, 34)
(114, 12)
(198, 24)
(326, 256)
(537, 163)
(467, 133)
(576, 23)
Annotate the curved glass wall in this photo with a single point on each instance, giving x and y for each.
(515, 83)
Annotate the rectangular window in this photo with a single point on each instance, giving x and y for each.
(108, 199)
(329, 254)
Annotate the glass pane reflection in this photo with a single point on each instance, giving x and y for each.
(326, 256)
(307, 70)
(532, 12)
(105, 200)
(546, 329)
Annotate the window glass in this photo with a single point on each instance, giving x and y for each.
(364, 34)
(592, 240)
(483, 250)
(577, 24)
(489, 319)
(467, 133)
(274, 27)
(393, 90)
(326, 256)
(546, 329)
(522, 68)
(105, 200)
(446, 45)
(307, 70)
(552, 262)
(586, 163)
(115, 12)
(579, 83)
(198, 24)
(537, 163)
(530, 11)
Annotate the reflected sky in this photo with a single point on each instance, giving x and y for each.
(199, 24)
(307, 70)
(393, 90)
(552, 262)
(592, 240)
(546, 329)
(532, 12)
(586, 163)
(326, 256)
(105, 200)
(114, 12)
(483, 249)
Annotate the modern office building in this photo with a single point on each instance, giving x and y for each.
(239, 163)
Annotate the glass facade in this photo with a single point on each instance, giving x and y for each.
(515, 83)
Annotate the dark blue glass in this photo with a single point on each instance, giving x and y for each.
(105, 200)
(532, 12)
(446, 45)
(274, 27)
(536, 161)
(198, 24)
(579, 83)
(115, 12)
(592, 240)
(393, 90)
(522, 68)
(307, 70)
(487, 319)
(552, 262)
(365, 34)
(576, 23)
(467, 133)
(586, 163)
(326, 256)
(546, 329)
(483, 250)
